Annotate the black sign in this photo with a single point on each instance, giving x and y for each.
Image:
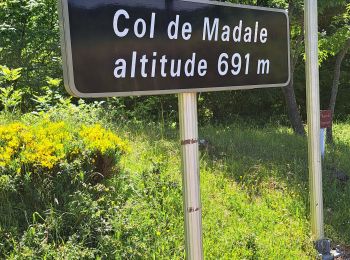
(144, 47)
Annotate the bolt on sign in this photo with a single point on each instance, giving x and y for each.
(138, 47)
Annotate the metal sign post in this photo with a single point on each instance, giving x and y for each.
(190, 170)
(313, 118)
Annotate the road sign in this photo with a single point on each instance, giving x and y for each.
(137, 47)
(326, 118)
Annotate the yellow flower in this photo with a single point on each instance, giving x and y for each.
(97, 138)
(48, 143)
(9, 142)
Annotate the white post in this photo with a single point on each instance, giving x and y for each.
(313, 118)
(190, 170)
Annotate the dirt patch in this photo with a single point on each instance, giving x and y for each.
(346, 253)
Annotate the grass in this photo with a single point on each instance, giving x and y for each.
(337, 193)
(254, 184)
(249, 210)
(266, 216)
(254, 187)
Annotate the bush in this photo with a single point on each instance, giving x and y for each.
(48, 146)
(52, 196)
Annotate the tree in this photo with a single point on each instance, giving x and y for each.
(296, 42)
(29, 39)
(335, 85)
(295, 9)
(337, 43)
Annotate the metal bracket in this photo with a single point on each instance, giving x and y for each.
(323, 247)
(189, 141)
(190, 209)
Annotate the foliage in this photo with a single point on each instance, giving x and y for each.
(333, 38)
(9, 97)
(44, 167)
(29, 39)
(49, 96)
(47, 144)
(70, 188)
(254, 190)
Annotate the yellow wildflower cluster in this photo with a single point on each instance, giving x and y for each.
(97, 138)
(39, 145)
(47, 143)
(10, 141)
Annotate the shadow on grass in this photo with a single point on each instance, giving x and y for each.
(274, 158)
(266, 154)
(336, 190)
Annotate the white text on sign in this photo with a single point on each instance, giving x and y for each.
(160, 65)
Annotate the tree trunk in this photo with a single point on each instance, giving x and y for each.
(292, 107)
(335, 85)
(288, 91)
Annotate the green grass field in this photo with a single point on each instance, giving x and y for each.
(254, 187)
(254, 184)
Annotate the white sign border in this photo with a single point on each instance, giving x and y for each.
(67, 58)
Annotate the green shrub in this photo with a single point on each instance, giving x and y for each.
(52, 199)
(47, 146)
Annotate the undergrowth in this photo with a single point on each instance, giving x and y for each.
(254, 187)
